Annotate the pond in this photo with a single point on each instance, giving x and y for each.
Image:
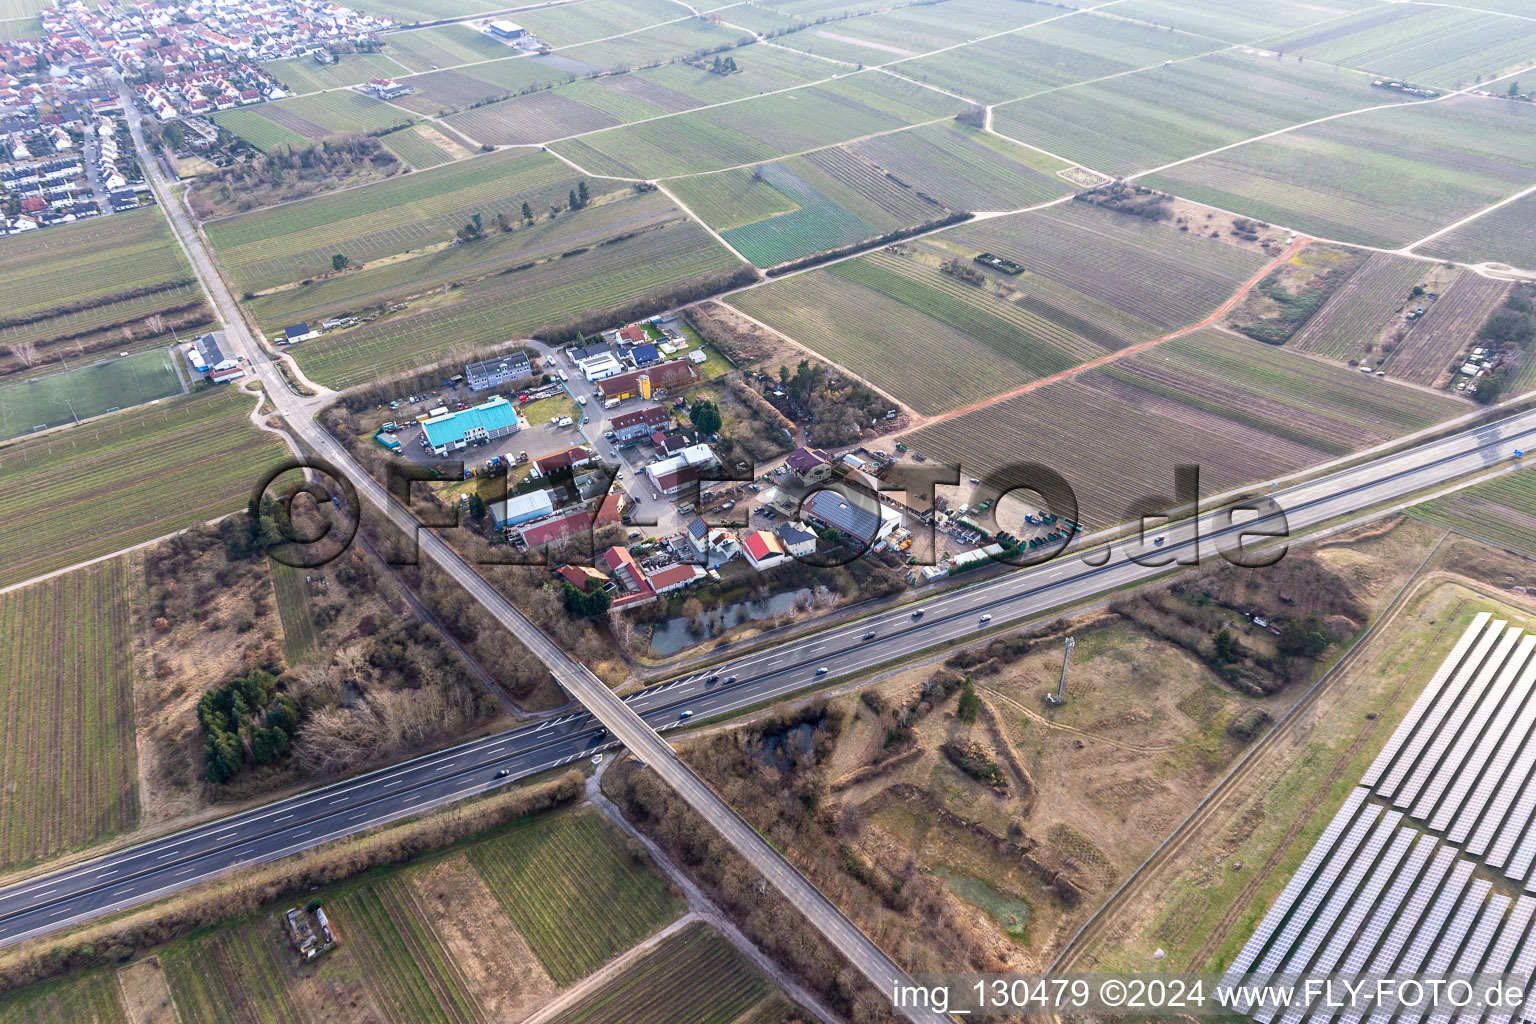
(672, 636)
(1011, 915)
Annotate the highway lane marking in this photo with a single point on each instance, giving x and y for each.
(338, 800)
(168, 853)
(395, 783)
(183, 871)
(301, 835)
(359, 814)
(442, 766)
(283, 818)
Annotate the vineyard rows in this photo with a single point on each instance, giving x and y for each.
(416, 149)
(78, 262)
(269, 247)
(694, 975)
(302, 74)
(1499, 512)
(67, 760)
(263, 133)
(444, 46)
(1427, 164)
(664, 42)
(1446, 329)
(574, 893)
(89, 997)
(966, 169)
(517, 304)
(817, 223)
(1241, 414)
(300, 638)
(126, 478)
(596, 19)
(1507, 235)
(1153, 117)
(1357, 312)
(544, 240)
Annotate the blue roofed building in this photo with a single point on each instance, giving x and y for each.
(521, 508)
(644, 355)
(455, 431)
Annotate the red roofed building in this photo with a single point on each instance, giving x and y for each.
(634, 334)
(612, 509)
(583, 577)
(550, 530)
(677, 373)
(763, 550)
(673, 577)
(672, 483)
(568, 459)
(627, 426)
(624, 569)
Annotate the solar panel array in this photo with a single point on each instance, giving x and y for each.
(1405, 878)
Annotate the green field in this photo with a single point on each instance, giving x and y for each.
(90, 997)
(1507, 235)
(597, 19)
(598, 903)
(551, 114)
(1237, 21)
(76, 494)
(88, 391)
(892, 35)
(566, 880)
(473, 267)
(445, 46)
(682, 40)
(815, 223)
(1049, 56)
(1383, 178)
(1499, 512)
(311, 118)
(1244, 412)
(521, 302)
(1095, 282)
(12, 29)
(1432, 46)
(409, 12)
(300, 637)
(1144, 120)
(302, 74)
(760, 129)
(92, 289)
(694, 975)
(67, 760)
(415, 149)
(965, 168)
(262, 132)
(266, 248)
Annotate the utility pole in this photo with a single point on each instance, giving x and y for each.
(1060, 696)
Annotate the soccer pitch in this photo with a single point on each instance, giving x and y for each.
(88, 391)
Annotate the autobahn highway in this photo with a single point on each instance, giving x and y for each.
(619, 717)
(134, 875)
(140, 873)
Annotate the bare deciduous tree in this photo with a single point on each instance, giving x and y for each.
(24, 351)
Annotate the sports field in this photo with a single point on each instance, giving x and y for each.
(67, 760)
(88, 391)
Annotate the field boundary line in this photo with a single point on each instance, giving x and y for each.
(712, 232)
(54, 573)
(1469, 219)
(1299, 242)
(613, 968)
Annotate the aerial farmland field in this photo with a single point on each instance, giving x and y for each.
(1235, 20)
(679, 40)
(598, 19)
(262, 132)
(967, 169)
(93, 288)
(1506, 235)
(935, 341)
(619, 269)
(444, 46)
(53, 488)
(1426, 165)
(759, 129)
(265, 248)
(540, 886)
(611, 216)
(1059, 52)
(1240, 410)
(89, 996)
(420, 150)
(551, 114)
(411, 11)
(1428, 46)
(1143, 120)
(1499, 512)
(312, 118)
(892, 35)
(693, 975)
(303, 74)
(1355, 314)
(66, 678)
(1446, 329)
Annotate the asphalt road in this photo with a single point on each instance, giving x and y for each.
(66, 903)
(131, 876)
